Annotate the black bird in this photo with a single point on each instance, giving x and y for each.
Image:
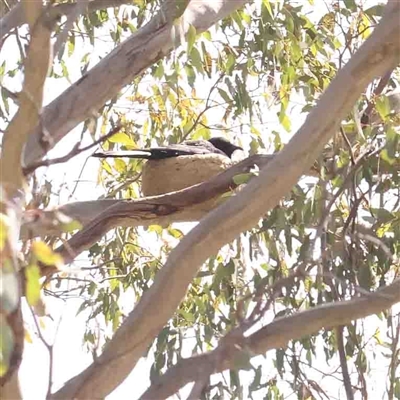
(217, 145)
(177, 166)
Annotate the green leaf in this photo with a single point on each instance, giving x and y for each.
(155, 228)
(224, 95)
(6, 345)
(207, 35)
(159, 72)
(3, 230)
(190, 74)
(267, 5)
(230, 63)
(9, 287)
(71, 44)
(237, 17)
(384, 154)
(285, 121)
(375, 11)
(32, 275)
(176, 233)
(106, 166)
(191, 38)
(393, 136)
(45, 254)
(255, 131)
(122, 138)
(382, 105)
(119, 165)
(2, 69)
(351, 5)
(365, 26)
(397, 388)
(240, 179)
(196, 60)
(189, 317)
(246, 18)
(337, 43)
(382, 214)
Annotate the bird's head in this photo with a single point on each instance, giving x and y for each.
(224, 145)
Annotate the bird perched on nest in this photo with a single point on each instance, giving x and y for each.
(178, 166)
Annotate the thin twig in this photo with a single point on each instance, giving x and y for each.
(378, 90)
(346, 139)
(359, 162)
(62, 37)
(74, 152)
(395, 327)
(343, 363)
(378, 242)
(48, 347)
(206, 108)
(123, 185)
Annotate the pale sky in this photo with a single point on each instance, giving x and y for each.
(71, 359)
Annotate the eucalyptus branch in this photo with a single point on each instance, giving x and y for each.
(347, 181)
(80, 6)
(343, 363)
(74, 152)
(274, 335)
(16, 17)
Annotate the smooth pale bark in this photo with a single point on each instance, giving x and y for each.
(12, 180)
(16, 16)
(378, 54)
(188, 204)
(128, 60)
(82, 99)
(140, 212)
(30, 99)
(272, 336)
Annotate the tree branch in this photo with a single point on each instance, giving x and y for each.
(343, 363)
(11, 177)
(50, 222)
(80, 7)
(272, 336)
(175, 206)
(145, 47)
(378, 90)
(28, 114)
(74, 152)
(377, 55)
(16, 17)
